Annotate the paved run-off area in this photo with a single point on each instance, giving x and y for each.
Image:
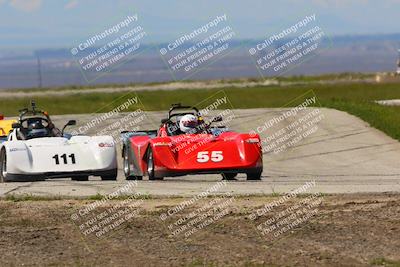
(339, 151)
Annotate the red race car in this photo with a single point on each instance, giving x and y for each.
(186, 144)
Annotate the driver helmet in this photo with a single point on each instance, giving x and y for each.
(36, 129)
(188, 123)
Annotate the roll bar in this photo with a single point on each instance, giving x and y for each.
(178, 106)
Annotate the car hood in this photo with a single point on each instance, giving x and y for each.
(191, 138)
(195, 138)
(56, 141)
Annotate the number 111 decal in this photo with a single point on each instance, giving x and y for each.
(64, 157)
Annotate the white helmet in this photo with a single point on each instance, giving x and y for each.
(188, 123)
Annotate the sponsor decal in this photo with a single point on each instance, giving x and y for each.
(106, 145)
(17, 149)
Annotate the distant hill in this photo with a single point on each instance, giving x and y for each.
(350, 53)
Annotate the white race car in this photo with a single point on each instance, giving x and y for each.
(36, 150)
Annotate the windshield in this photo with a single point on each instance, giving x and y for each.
(37, 127)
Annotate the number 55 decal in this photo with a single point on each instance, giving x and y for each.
(204, 156)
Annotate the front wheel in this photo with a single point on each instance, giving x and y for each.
(254, 176)
(150, 166)
(80, 178)
(229, 176)
(3, 166)
(110, 177)
(127, 167)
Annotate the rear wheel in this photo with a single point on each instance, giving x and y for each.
(133, 177)
(229, 176)
(254, 176)
(110, 177)
(127, 167)
(3, 166)
(80, 178)
(150, 166)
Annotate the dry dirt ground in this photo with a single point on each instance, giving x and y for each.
(344, 230)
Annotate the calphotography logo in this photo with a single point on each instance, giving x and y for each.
(193, 215)
(109, 48)
(284, 214)
(97, 121)
(195, 50)
(125, 114)
(290, 127)
(103, 217)
(215, 116)
(283, 50)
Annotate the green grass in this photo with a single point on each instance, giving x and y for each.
(346, 76)
(386, 119)
(385, 262)
(29, 197)
(354, 98)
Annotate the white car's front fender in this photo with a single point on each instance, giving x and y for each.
(60, 155)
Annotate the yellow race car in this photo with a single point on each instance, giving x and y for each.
(5, 128)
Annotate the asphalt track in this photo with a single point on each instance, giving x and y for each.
(340, 152)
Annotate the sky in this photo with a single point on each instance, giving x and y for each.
(32, 24)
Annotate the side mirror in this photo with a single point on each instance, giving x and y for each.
(164, 121)
(16, 125)
(217, 119)
(69, 123)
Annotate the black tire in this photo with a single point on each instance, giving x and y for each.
(126, 164)
(127, 167)
(110, 177)
(133, 177)
(150, 166)
(80, 178)
(253, 176)
(229, 176)
(3, 166)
